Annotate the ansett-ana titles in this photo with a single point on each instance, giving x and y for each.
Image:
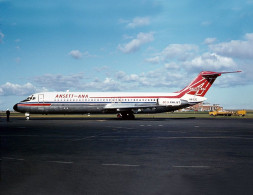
(71, 95)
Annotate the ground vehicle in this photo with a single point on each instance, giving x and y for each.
(240, 113)
(220, 112)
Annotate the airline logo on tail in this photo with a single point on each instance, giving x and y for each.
(199, 90)
(201, 84)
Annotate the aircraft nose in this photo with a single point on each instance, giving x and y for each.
(15, 107)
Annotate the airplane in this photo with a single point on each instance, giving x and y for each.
(124, 104)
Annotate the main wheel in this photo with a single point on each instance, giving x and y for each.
(128, 115)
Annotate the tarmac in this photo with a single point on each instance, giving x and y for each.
(112, 156)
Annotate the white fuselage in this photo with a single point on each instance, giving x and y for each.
(105, 102)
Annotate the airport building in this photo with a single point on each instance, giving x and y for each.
(204, 106)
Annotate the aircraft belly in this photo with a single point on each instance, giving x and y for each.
(63, 108)
(76, 108)
(160, 109)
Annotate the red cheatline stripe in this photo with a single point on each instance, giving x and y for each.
(34, 104)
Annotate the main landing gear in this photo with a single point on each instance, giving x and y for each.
(126, 115)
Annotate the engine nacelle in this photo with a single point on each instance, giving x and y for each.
(169, 102)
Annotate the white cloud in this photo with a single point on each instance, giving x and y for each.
(135, 44)
(157, 78)
(127, 37)
(180, 51)
(172, 65)
(127, 78)
(135, 22)
(236, 48)
(174, 51)
(1, 37)
(138, 21)
(76, 54)
(210, 61)
(186, 58)
(108, 84)
(209, 40)
(59, 82)
(171, 75)
(154, 60)
(17, 89)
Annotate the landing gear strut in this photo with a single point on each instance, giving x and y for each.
(126, 115)
(27, 115)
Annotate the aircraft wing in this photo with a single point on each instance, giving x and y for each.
(128, 106)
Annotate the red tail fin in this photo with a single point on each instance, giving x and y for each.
(201, 84)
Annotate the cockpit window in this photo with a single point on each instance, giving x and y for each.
(29, 99)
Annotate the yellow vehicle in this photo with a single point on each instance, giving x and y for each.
(220, 113)
(240, 113)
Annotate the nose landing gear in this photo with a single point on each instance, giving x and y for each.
(27, 115)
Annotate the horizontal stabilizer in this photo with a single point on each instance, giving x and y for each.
(209, 73)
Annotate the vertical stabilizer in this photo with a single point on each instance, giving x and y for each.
(201, 84)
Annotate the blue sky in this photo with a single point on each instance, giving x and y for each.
(147, 46)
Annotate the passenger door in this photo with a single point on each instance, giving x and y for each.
(41, 98)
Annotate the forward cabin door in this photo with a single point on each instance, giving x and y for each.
(41, 98)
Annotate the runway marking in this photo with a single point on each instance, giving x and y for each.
(88, 137)
(191, 166)
(84, 138)
(11, 158)
(21, 159)
(60, 162)
(120, 165)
